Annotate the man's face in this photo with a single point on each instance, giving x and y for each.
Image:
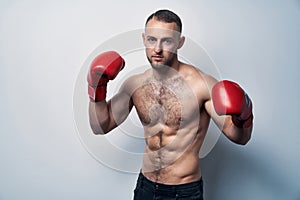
(161, 40)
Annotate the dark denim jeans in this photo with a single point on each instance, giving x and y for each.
(148, 190)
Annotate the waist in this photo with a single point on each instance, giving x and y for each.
(154, 186)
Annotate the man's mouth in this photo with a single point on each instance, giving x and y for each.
(157, 58)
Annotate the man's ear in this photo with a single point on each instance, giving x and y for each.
(181, 42)
(143, 37)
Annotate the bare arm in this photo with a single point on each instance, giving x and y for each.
(105, 116)
(224, 122)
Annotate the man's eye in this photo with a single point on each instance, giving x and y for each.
(151, 40)
(168, 41)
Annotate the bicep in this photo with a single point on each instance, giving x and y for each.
(220, 121)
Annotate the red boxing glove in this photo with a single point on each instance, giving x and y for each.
(104, 67)
(230, 99)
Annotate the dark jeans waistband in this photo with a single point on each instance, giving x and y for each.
(144, 182)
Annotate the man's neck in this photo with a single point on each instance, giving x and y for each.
(166, 72)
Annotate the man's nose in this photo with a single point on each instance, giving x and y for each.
(158, 47)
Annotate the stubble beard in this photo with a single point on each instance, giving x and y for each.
(161, 65)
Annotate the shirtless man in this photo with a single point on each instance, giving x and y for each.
(175, 102)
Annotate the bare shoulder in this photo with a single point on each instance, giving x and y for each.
(200, 81)
(192, 73)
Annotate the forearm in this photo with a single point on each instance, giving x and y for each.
(99, 117)
(236, 134)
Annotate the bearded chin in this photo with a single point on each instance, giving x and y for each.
(157, 65)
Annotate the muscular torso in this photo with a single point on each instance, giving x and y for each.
(175, 122)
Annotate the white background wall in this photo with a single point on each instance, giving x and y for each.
(44, 44)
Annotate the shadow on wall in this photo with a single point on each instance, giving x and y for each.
(232, 172)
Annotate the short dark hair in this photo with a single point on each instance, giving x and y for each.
(166, 16)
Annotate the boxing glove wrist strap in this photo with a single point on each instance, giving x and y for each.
(242, 123)
(97, 94)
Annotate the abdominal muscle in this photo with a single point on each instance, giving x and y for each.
(172, 157)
